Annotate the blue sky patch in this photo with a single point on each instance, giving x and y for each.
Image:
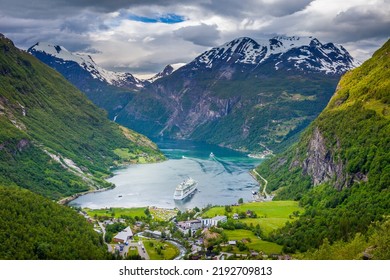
(167, 18)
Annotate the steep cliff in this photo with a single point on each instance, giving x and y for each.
(340, 168)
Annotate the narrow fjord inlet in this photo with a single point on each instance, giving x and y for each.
(222, 179)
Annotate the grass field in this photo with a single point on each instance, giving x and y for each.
(270, 215)
(255, 244)
(157, 213)
(168, 251)
(116, 212)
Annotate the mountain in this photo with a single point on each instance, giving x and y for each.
(107, 89)
(243, 95)
(168, 70)
(340, 168)
(81, 66)
(53, 140)
(290, 53)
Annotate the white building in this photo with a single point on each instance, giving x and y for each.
(214, 221)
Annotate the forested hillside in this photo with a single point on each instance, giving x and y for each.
(53, 140)
(340, 169)
(33, 227)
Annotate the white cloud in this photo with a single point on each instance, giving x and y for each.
(140, 47)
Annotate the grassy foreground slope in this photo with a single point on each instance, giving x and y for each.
(53, 140)
(340, 169)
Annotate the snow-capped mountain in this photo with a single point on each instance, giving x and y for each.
(301, 53)
(168, 70)
(244, 94)
(59, 57)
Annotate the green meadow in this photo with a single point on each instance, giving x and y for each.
(252, 242)
(270, 215)
(116, 212)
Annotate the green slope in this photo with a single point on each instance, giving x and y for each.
(33, 227)
(340, 169)
(52, 139)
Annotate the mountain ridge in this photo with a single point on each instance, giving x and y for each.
(304, 53)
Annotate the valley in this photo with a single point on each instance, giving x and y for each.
(287, 138)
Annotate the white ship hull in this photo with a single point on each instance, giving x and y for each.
(185, 189)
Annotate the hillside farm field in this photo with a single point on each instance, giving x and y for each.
(270, 215)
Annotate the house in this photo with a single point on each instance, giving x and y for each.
(195, 249)
(249, 213)
(124, 235)
(235, 216)
(232, 242)
(254, 253)
(108, 222)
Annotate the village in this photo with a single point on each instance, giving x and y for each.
(221, 232)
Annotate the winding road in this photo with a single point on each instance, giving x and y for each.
(181, 248)
(267, 196)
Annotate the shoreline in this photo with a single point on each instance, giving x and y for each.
(66, 200)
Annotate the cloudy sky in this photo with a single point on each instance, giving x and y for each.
(142, 36)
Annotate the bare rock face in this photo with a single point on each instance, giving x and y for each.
(320, 163)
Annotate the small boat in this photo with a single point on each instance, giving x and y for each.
(211, 154)
(120, 195)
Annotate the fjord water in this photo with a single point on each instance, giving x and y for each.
(222, 179)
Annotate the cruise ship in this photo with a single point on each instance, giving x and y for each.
(185, 189)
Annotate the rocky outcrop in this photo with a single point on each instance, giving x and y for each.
(320, 163)
(23, 144)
